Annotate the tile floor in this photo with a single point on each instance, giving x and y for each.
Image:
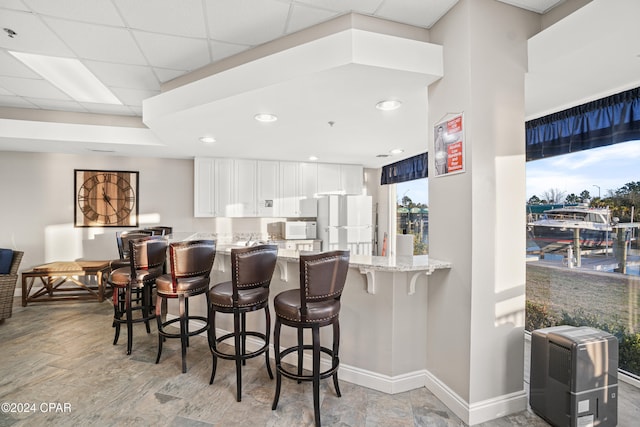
(62, 353)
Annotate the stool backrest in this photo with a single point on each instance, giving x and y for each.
(148, 253)
(322, 276)
(123, 238)
(253, 266)
(192, 258)
(160, 230)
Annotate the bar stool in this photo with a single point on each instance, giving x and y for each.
(191, 263)
(122, 240)
(314, 305)
(251, 272)
(146, 257)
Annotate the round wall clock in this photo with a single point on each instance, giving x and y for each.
(106, 198)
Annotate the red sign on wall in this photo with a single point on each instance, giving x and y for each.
(448, 146)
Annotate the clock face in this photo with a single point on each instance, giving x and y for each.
(106, 199)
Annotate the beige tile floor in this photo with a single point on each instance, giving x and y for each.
(62, 353)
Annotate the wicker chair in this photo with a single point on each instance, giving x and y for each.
(8, 286)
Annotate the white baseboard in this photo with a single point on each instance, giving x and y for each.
(470, 413)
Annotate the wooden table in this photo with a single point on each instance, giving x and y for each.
(87, 277)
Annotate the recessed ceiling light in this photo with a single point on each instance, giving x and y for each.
(70, 76)
(265, 117)
(382, 155)
(388, 105)
(396, 151)
(207, 139)
(313, 158)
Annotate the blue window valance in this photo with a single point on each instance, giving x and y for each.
(598, 123)
(405, 170)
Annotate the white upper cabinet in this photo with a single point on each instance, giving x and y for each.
(244, 178)
(340, 179)
(212, 187)
(203, 181)
(254, 188)
(297, 188)
(267, 180)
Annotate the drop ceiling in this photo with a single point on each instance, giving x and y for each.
(145, 49)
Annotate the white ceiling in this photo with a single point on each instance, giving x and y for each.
(136, 47)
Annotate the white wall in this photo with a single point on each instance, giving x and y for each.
(37, 190)
(476, 311)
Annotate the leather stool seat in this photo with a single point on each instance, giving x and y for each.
(287, 305)
(186, 285)
(223, 296)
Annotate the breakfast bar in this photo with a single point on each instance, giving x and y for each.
(384, 313)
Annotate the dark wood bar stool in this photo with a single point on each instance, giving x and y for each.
(146, 257)
(160, 230)
(248, 290)
(122, 240)
(191, 263)
(314, 305)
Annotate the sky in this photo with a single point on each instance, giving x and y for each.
(607, 167)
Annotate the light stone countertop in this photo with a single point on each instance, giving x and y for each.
(416, 263)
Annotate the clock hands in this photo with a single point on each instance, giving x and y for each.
(108, 199)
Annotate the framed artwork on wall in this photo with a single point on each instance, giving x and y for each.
(106, 198)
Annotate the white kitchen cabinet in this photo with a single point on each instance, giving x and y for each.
(351, 179)
(212, 187)
(203, 182)
(244, 179)
(296, 179)
(267, 191)
(339, 179)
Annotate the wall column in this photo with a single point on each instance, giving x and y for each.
(475, 328)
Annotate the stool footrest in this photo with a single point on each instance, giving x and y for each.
(229, 356)
(294, 376)
(191, 333)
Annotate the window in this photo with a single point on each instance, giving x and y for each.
(600, 285)
(412, 213)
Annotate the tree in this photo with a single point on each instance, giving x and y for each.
(553, 195)
(406, 201)
(572, 198)
(584, 196)
(534, 200)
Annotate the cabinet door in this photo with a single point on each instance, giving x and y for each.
(351, 177)
(329, 178)
(203, 201)
(244, 203)
(223, 188)
(308, 179)
(287, 205)
(267, 188)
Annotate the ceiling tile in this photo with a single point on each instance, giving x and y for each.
(10, 66)
(221, 50)
(32, 88)
(367, 7)
(540, 6)
(124, 76)
(132, 96)
(56, 104)
(250, 22)
(181, 18)
(98, 42)
(32, 35)
(420, 13)
(180, 53)
(166, 74)
(95, 11)
(13, 101)
(302, 17)
(122, 110)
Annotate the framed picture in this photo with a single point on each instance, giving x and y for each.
(106, 198)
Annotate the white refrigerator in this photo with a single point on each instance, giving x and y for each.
(345, 222)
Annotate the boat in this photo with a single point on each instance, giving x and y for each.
(555, 228)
